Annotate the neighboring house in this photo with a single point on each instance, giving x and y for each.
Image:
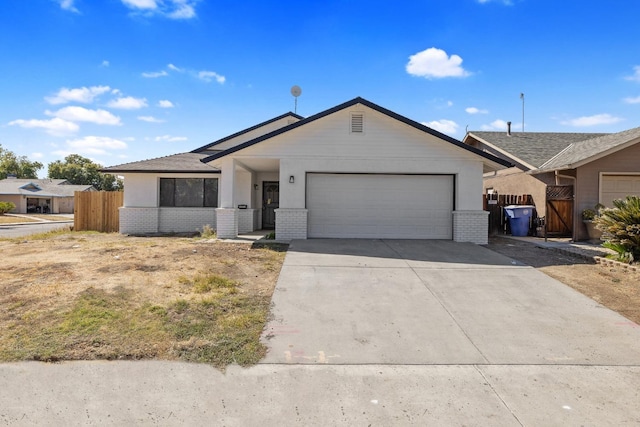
(40, 195)
(564, 172)
(356, 170)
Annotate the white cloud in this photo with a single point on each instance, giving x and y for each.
(165, 103)
(474, 110)
(449, 103)
(56, 126)
(128, 103)
(105, 63)
(635, 100)
(496, 125)
(597, 119)
(92, 145)
(37, 155)
(155, 74)
(174, 68)
(169, 138)
(444, 126)
(182, 10)
(81, 114)
(434, 63)
(150, 119)
(173, 9)
(68, 5)
(636, 74)
(140, 4)
(505, 2)
(97, 141)
(209, 76)
(84, 95)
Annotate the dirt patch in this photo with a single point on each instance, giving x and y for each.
(614, 286)
(106, 296)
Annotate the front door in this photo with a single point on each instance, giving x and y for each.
(270, 202)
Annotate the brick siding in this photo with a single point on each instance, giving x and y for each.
(291, 224)
(471, 226)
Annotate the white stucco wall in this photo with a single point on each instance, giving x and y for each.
(386, 146)
(142, 189)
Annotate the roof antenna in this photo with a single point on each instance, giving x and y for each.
(296, 91)
(522, 97)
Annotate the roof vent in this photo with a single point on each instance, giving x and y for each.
(509, 128)
(357, 122)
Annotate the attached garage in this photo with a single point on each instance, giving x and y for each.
(618, 187)
(380, 206)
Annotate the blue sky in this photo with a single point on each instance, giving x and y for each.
(125, 80)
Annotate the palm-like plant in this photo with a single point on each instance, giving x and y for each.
(621, 228)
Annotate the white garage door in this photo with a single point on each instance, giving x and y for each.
(619, 187)
(380, 206)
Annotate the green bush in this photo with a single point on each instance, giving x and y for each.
(621, 228)
(6, 207)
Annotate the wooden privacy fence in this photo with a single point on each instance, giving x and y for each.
(97, 211)
(498, 224)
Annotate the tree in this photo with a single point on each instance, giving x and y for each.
(79, 170)
(20, 166)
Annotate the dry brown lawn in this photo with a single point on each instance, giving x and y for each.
(72, 296)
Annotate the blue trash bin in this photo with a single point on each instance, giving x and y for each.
(519, 216)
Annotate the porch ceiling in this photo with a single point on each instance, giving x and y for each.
(259, 164)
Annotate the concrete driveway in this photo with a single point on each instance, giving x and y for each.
(434, 302)
(380, 333)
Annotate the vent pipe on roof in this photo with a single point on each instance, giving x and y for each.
(509, 128)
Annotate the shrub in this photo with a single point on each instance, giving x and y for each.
(6, 207)
(208, 232)
(621, 228)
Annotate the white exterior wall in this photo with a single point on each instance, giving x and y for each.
(386, 146)
(140, 190)
(248, 136)
(471, 226)
(185, 220)
(141, 214)
(138, 220)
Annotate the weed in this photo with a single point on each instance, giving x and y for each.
(208, 232)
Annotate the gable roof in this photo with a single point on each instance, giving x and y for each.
(176, 163)
(582, 152)
(40, 187)
(358, 100)
(530, 149)
(245, 131)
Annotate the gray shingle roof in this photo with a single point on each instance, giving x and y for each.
(581, 152)
(177, 163)
(40, 187)
(534, 148)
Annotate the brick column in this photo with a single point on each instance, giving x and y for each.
(471, 226)
(291, 224)
(227, 223)
(246, 220)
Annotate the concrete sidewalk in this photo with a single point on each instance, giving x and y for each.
(375, 333)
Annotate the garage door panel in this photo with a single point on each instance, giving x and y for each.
(618, 187)
(380, 206)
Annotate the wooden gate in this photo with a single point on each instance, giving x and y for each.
(559, 218)
(97, 211)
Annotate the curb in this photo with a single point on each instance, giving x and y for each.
(35, 223)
